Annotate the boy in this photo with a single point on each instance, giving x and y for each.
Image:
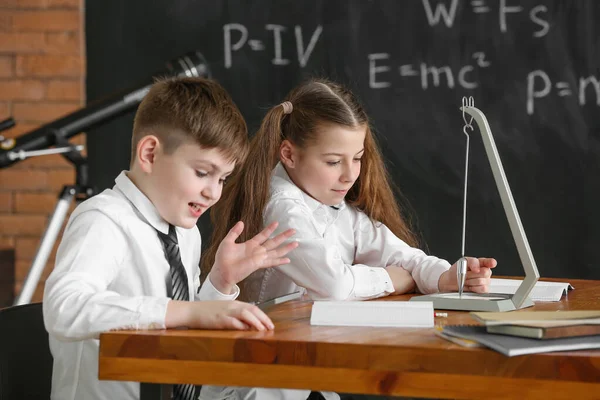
(129, 256)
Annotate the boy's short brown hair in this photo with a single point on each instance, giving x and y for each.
(182, 109)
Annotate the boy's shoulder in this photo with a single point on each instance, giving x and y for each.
(108, 203)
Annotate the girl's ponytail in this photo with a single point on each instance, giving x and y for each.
(246, 192)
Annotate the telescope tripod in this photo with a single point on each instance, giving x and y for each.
(79, 191)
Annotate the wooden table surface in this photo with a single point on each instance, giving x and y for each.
(386, 361)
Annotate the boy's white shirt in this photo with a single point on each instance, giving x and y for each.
(342, 254)
(111, 273)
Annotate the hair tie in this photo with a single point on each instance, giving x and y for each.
(287, 107)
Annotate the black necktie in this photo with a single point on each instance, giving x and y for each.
(179, 282)
(179, 291)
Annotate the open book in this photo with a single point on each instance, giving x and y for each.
(542, 291)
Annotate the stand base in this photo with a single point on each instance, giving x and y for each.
(473, 301)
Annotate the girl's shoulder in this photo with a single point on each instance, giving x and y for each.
(287, 199)
(282, 189)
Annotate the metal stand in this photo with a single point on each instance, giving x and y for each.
(492, 301)
(80, 191)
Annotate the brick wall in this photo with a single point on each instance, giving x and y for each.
(42, 71)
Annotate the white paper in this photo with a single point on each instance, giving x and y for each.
(418, 314)
(542, 291)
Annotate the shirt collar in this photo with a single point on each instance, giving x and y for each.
(141, 202)
(312, 203)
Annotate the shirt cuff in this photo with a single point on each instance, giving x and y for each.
(371, 282)
(388, 284)
(153, 313)
(431, 281)
(209, 292)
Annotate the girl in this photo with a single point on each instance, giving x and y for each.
(314, 166)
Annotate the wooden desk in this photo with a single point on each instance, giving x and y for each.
(387, 361)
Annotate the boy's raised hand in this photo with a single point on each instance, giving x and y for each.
(235, 261)
(479, 272)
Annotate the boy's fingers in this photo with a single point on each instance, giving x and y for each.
(264, 319)
(282, 250)
(284, 235)
(234, 323)
(234, 232)
(263, 235)
(249, 318)
(274, 262)
(277, 240)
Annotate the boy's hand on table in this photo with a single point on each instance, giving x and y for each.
(217, 315)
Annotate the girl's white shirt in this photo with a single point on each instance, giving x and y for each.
(342, 253)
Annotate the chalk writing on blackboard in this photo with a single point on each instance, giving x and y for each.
(303, 51)
(447, 13)
(539, 85)
(427, 73)
(382, 72)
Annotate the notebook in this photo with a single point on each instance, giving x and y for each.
(553, 332)
(265, 305)
(373, 313)
(541, 324)
(514, 346)
(439, 331)
(538, 318)
(542, 291)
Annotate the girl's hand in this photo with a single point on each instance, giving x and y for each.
(479, 272)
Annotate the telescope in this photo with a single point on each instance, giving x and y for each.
(95, 114)
(57, 133)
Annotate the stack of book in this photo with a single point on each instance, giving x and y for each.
(541, 324)
(527, 332)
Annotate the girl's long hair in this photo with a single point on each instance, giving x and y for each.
(315, 102)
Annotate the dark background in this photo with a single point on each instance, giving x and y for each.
(550, 154)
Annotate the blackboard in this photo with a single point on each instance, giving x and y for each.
(533, 67)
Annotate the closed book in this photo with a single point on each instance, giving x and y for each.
(515, 346)
(553, 332)
(542, 319)
(373, 313)
(439, 331)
